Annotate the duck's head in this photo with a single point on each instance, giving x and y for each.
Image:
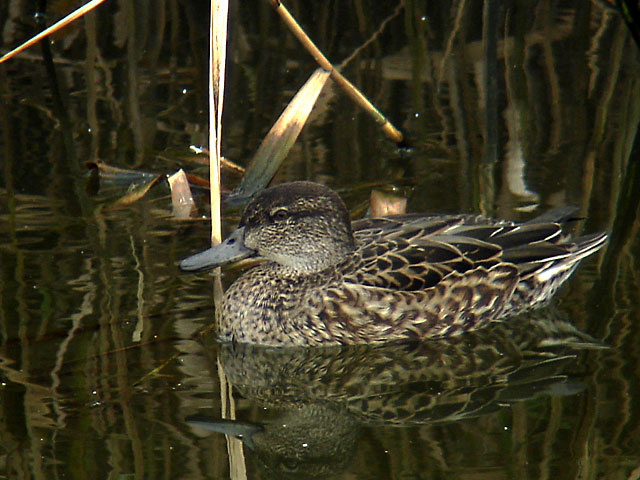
(301, 225)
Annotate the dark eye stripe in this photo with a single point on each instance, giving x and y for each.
(290, 215)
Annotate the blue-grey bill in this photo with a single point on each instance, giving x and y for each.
(241, 430)
(231, 250)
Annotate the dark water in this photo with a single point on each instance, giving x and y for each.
(104, 369)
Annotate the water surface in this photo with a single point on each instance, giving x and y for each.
(104, 368)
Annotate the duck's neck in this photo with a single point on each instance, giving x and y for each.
(314, 259)
(313, 266)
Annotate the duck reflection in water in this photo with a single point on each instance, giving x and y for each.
(328, 281)
(322, 397)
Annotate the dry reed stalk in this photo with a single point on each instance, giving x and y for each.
(217, 61)
(53, 28)
(389, 130)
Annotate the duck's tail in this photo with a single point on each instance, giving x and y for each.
(539, 284)
(579, 248)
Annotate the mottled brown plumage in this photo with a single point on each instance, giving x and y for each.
(327, 281)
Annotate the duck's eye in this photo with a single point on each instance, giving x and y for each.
(280, 214)
(289, 465)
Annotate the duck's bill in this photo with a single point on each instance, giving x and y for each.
(229, 251)
(241, 430)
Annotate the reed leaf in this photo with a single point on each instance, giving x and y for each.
(276, 145)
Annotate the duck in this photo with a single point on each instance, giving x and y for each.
(326, 280)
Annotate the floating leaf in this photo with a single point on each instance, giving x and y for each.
(181, 197)
(111, 181)
(382, 204)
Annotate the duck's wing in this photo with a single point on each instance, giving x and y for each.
(413, 253)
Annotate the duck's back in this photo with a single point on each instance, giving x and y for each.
(412, 253)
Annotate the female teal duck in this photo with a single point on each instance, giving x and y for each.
(329, 281)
